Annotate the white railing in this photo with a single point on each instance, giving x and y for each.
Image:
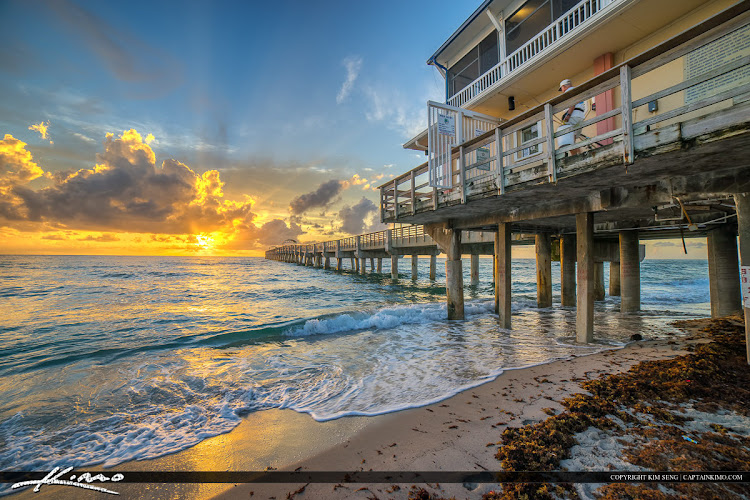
(545, 41)
(448, 126)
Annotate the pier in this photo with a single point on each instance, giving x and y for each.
(672, 163)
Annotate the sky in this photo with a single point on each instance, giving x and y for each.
(208, 127)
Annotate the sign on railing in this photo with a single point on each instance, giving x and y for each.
(447, 127)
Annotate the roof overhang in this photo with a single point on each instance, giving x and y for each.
(470, 31)
(418, 142)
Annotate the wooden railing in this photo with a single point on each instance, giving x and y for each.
(512, 167)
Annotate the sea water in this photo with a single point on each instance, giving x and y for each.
(109, 359)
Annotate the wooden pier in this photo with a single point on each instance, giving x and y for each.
(675, 172)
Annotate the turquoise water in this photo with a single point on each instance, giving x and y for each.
(108, 359)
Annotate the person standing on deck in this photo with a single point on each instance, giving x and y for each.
(572, 117)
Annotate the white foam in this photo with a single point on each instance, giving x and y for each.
(387, 317)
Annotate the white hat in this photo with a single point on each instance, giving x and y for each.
(565, 82)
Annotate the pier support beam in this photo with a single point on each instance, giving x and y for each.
(327, 263)
(724, 272)
(339, 263)
(599, 281)
(394, 266)
(372, 265)
(362, 265)
(630, 271)
(502, 274)
(742, 202)
(585, 285)
(433, 266)
(543, 270)
(353, 263)
(454, 276)
(414, 266)
(568, 270)
(474, 269)
(380, 265)
(614, 279)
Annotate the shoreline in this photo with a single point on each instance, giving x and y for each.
(457, 433)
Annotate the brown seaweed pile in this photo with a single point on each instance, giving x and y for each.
(646, 399)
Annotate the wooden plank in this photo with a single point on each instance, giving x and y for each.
(462, 173)
(728, 94)
(499, 160)
(526, 145)
(592, 140)
(743, 61)
(591, 121)
(413, 204)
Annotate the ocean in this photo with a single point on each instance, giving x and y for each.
(111, 359)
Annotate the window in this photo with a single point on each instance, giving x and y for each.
(478, 61)
(524, 136)
(532, 18)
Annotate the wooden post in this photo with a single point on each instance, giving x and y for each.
(433, 266)
(339, 263)
(585, 298)
(380, 265)
(742, 203)
(568, 270)
(394, 266)
(414, 263)
(372, 265)
(543, 270)
(550, 134)
(627, 116)
(454, 278)
(499, 160)
(474, 269)
(630, 271)
(362, 265)
(502, 262)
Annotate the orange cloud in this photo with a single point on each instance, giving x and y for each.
(41, 128)
(126, 192)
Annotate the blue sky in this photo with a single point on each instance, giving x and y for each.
(278, 97)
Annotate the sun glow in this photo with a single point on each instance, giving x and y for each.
(205, 242)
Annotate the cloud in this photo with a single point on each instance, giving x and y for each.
(100, 238)
(54, 237)
(356, 180)
(352, 65)
(321, 197)
(84, 138)
(353, 217)
(391, 107)
(665, 244)
(41, 128)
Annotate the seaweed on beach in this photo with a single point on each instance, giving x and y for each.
(644, 405)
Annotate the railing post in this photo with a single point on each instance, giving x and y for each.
(627, 115)
(413, 199)
(395, 199)
(499, 161)
(462, 172)
(550, 131)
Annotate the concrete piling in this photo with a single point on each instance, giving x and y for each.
(502, 261)
(568, 270)
(630, 272)
(454, 280)
(543, 270)
(614, 279)
(585, 285)
(474, 274)
(724, 272)
(394, 266)
(599, 281)
(414, 266)
(742, 203)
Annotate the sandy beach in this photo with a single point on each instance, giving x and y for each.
(458, 434)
